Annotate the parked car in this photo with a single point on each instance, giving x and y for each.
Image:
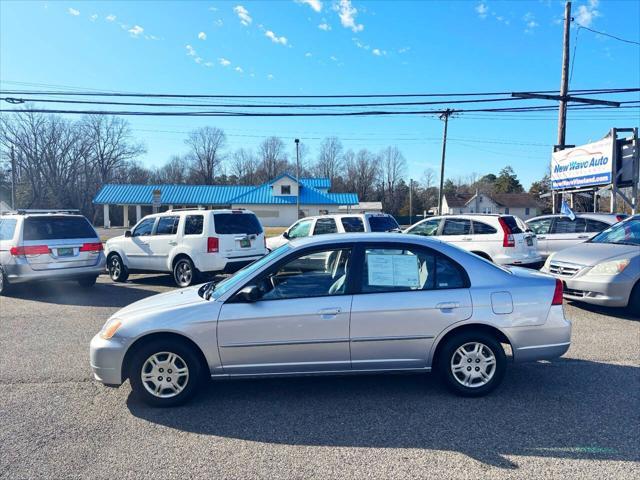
(604, 270)
(372, 303)
(40, 245)
(498, 238)
(187, 243)
(339, 223)
(557, 232)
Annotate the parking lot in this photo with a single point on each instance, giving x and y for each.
(574, 417)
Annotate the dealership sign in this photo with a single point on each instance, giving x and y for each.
(582, 166)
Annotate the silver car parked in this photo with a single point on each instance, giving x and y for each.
(337, 304)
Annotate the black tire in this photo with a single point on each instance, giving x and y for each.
(87, 282)
(184, 272)
(448, 355)
(117, 270)
(185, 356)
(4, 284)
(634, 300)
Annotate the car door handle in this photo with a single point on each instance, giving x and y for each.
(448, 305)
(466, 239)
(541, 237)
(172, 242)
(329, 311)
(583, 236)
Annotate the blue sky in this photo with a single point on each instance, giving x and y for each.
(332, 47)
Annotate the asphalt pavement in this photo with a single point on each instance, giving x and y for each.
(576, 417)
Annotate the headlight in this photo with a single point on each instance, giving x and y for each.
(547, 262)
(110, 328)
(609, 268)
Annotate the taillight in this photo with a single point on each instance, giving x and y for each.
(91, 247)
(30, 250)
(619, 218)
(507, 239)
(212, 245)
(557, 294)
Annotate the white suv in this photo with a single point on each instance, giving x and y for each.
(187, 242)
(339, 223)
(499, 238)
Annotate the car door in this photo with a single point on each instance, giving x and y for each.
(541, 227)
(136, 247)
(300, 323)
(404, 297)
(163, 240)
(458, 232)
(566, 233)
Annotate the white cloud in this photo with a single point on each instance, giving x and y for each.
(224, 62)
(347, 14)
(308, 54)
(376, 52)
(404, 49)
(324, 26)
(333, 59)
(359, 44)
(243, 15)
(136, 30)
(239, 70)
(274, 38)
(191, 51)
(202, 36)
(482, 10)
(587, 13)
(208, 64)
(93, 17)
(198, 59)
(316, 5)
(270, 77)
(74, 12)
(530, 22)
(111, 17)
(218, 23)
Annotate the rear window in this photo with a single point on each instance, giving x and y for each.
(480, 228)
(512, 224)
(230, 223)
(352, 224)
(383, 224)
(57, 228)
(7, 228)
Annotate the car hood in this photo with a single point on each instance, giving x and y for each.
(593, 253)
(162, 302)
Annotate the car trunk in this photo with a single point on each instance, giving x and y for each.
(239, 234)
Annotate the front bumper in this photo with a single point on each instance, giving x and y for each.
(605, 290)
(106, 358)
(22, 272)
(541, 342)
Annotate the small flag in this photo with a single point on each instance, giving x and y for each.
(566, 210)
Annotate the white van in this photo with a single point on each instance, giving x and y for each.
(186, 243)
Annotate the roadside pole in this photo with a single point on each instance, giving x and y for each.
(297, 140)
(13, 179)
(410, 201)
(564, 87)
(445, 116)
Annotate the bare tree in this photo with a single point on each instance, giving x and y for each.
(330, 158)
(361, 171)
(175, 171)
(273, 158)
(393, 166)
(205, 155)
(244, 166)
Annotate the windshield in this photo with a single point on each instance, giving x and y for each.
(241, 275)
(623, 233)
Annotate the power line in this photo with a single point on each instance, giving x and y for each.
(633, 42)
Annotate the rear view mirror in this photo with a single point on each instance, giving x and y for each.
(250, 293)
(127, 233)
(285, 234)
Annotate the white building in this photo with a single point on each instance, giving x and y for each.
(521, 205)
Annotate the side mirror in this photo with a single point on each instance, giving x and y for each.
(250, 293)
(127, 233)
(285, 234)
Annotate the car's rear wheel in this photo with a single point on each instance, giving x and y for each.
(165, 373)
(87, 282)
(472, 364)
(117, 271)
(4, 285)
(184, 272)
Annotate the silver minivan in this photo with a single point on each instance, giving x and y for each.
(38, 245)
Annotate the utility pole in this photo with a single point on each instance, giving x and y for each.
(564, 81)
(444, 116)
(410, 201)
(297, 140)
(13, 179)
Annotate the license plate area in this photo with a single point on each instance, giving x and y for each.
(245, 243)
(529, 242)
(65, 252)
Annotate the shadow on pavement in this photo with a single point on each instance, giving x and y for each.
(622, 313)
(565, 409)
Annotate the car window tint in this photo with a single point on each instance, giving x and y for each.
(397, 270)
(233, 223)
(566, 225)
(456, 226)
(448, 274)
(7, 228)
(57, 228)
(540, 227)
(167, 226)
(315, 274)
(480, 228)
(352, 224)
(426, 228)
(144, 228)
(596, 226)
(383, 223)
(300, 229)
(193, 224)
(325, 225)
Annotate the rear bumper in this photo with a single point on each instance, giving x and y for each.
(229, 265)
(22, 272)
(541, 342)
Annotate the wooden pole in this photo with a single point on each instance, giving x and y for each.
(445, 116)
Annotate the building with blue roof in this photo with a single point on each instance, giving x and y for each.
(274, 202)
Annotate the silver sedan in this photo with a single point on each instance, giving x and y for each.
(338, 304)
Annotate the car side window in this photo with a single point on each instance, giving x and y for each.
(324, 226)
(596, 226)
(167, 226)
(566, 225)
(426, 228)
(193, 224)
(316, 274)
(540, 227)
(300, 229)
(352, 224)
(480, 228)
(7, 228)
(456, 226)
(144, 228)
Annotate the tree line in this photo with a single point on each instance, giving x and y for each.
(62, 163)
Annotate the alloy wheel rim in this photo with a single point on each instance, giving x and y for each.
(115, 268)
(184, 273)
(164, 374)
(473, 365)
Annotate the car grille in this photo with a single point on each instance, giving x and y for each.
(564, 269)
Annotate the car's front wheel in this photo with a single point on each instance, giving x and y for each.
(634, 300)
(117, 271)
(165, 373)
(472, 364)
